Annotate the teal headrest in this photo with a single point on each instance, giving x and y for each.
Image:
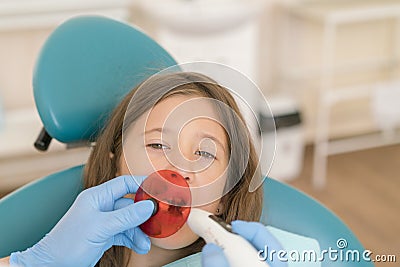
(84, 70)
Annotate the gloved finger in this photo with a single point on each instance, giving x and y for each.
(122, 203)
(122, 240)
(140, 240)
(139, 250)
(119, 221)
(129, 240)
(213, 256)
(256, 234)
(118, 187)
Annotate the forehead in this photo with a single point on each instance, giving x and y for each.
(182, 101)
(179, 110)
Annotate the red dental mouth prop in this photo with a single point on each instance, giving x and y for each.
(171, 194)
(170, 191)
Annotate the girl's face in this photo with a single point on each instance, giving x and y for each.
(163, 138)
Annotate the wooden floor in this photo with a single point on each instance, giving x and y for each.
(363, 189)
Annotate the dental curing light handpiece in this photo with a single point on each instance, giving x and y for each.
(238, 250)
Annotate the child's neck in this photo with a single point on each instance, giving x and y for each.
(156, 257)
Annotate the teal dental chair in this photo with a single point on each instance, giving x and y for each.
(85, 68)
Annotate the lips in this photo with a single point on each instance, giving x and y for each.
(172, 194)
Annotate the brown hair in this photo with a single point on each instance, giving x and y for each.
(101, 167)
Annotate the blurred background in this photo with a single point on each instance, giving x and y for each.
(330, 70)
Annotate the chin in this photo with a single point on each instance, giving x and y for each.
(183, 238)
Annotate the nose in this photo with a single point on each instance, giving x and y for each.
(182, 165)
(186, 173)
(189, 176)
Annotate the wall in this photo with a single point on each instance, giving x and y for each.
(24, 27)
(296, 58)
(286, 44)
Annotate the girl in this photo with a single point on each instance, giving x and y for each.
(214, 146)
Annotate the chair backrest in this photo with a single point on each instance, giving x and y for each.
(30, 212)
(290, 209)
(85, 68)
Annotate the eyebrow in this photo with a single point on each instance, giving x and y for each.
(160, 130)
(157, 130)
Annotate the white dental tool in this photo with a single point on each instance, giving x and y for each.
(237, 250)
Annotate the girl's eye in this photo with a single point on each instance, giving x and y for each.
(205, 154)
(157, 146)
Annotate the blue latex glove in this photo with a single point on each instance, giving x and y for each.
(255, 233)
(98, 219)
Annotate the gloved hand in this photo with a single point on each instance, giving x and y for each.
(255, 233)
(98, 219)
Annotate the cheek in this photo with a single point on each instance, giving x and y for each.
(136, 159)
(156, 161)
(141, 165)
(215, 174)
(217, 178)
(206, 189)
